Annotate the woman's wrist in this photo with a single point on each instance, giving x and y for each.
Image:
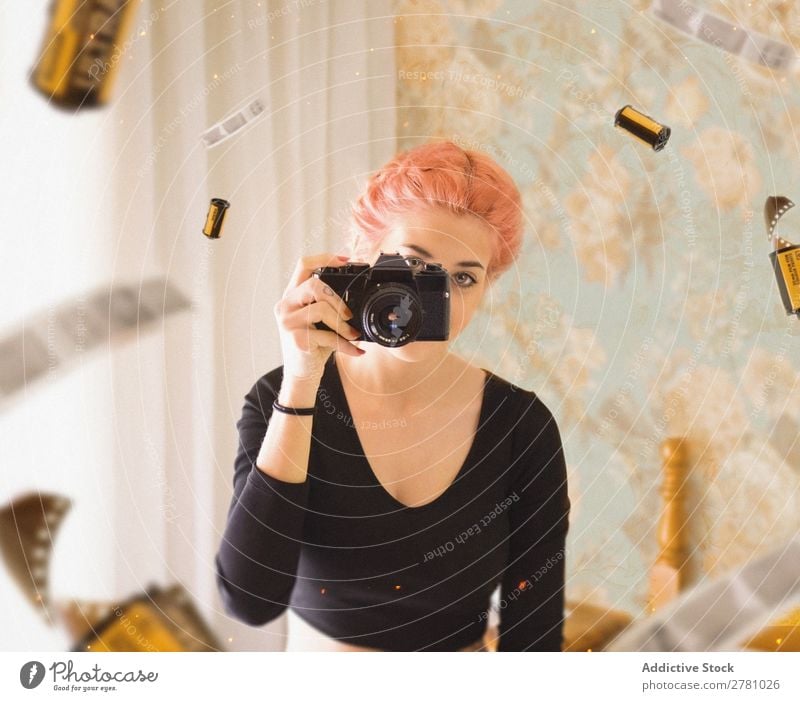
(298, 393)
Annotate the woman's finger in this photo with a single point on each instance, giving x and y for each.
(311, 337)
(315, 312)
(305, 266)
(314, 290)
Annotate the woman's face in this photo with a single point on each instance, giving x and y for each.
(462, 245)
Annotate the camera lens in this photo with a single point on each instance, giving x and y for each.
(392, 315)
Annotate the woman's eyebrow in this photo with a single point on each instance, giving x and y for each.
(423, 252)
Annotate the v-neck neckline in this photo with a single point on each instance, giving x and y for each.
(476, 438)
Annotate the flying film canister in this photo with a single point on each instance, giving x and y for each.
(79, 58)
(215, 217)
(785, 256)
(642, 127)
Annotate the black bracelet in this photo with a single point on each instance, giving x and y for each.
(292, 410)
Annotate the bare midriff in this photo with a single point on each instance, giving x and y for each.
(303, 637)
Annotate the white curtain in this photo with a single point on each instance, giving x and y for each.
(153, 416)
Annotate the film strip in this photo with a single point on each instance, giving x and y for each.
(785, 256)
(75, 67)
(774, 208)
(233, 123)
(54, 338)
(157, 620)
(755, 48)
(28, 527)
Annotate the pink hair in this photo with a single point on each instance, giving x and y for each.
(442, 174)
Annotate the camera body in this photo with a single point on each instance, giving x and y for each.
(398, 300)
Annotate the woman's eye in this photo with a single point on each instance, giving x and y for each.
(469, 281)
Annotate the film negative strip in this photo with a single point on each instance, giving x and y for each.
(79, 616)
(233, 123)
(774, 208)
(158, 620)
(28, 527)
(56, 337)
(785, 256)
(75, 67)
(755, 48)
(724, 613)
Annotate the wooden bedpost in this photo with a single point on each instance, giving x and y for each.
(670, 573)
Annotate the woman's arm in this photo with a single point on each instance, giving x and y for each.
(257, 559)
(532, 590)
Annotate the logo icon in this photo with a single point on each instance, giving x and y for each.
(31, 674)
(400, 316)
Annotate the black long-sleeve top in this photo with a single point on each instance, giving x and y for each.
(362, 567)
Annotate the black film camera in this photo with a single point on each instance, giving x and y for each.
(398, 300)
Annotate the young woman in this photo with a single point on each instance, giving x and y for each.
(385, 515)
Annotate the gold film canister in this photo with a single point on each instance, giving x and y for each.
(215, 218)
(642, 127)
(785, 256)
(78, 60)
(786, 263)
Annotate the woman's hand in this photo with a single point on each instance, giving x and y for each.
(307, 300)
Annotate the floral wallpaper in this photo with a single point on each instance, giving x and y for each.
(644, 305)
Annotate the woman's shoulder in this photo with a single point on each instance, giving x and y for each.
(519, 394)
(535, 436)
(528, 413)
